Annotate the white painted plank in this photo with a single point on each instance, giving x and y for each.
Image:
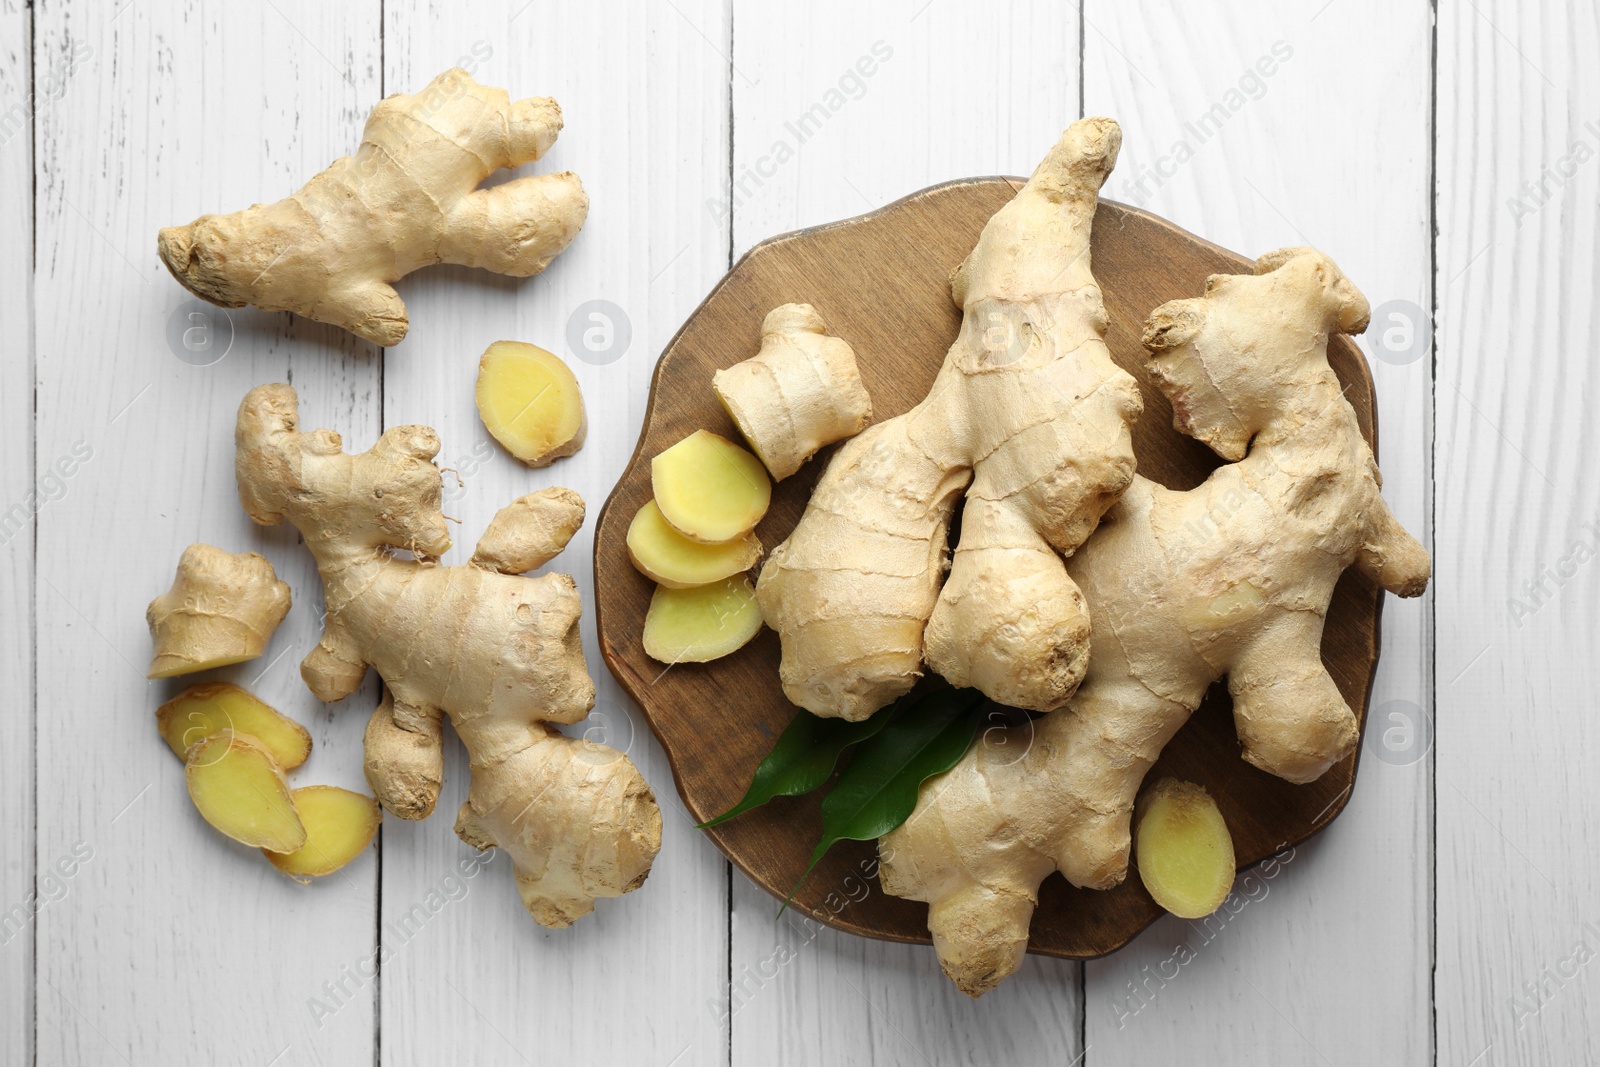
(840, 107)
(171, 943)
(1519, 184)
(1319, 135)
(18, 500)
(948, 95)
(645, 101)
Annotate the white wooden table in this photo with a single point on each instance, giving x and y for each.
(1450, 916)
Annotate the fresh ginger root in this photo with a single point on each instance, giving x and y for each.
(408, 198)
(530, 531)
(709, 489)
(1029, 417)
(529, 401)
(800, 392)
(701, 624)
(241, 791)
(203, 710)
(222, 609)
(339, 825)
(1183, 849)
(500, 653)
(1231, 578)
(672, 560)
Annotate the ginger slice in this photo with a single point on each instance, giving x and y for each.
(530, 402)
(663, 554)
(709, 488)
(339, 825)
(1183, 849)
(702, 624)
(202, 710)
(238, 789)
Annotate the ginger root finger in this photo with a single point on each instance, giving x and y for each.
(202, 710)
(339, 824)
(239, 790)
(701, 624)
(530, 531)
(709, 489)
(530, 402)
(670, 559)
(592, 832)
(407, 198)
(222, 609)
(1183, 849)
(1028, 418)
(800, 392)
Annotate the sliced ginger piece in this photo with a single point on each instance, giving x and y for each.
(530, 403)
(709, 488)
(202, 710)
(1183, 848)
(663, 554)
(339, 825)
(241, 791)
(702, 624)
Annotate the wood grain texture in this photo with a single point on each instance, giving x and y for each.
(1518, 912)
(18, 896)
(170, 943)
(900, 338)
(1349, 81)
(644, 99)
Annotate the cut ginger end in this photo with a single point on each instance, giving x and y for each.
(709, 488)
(530, 403)
(202, 710)
(339, 825)
(238, 789)
(701, 624)
(1183, 849)
(667, 557)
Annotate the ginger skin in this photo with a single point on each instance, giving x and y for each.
(499, 652)
(408, 198)
(1029, 418)
(1231, 578)
(222, 609)
(800, 392)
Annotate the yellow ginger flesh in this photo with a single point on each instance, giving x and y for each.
(672, 560)
(530, 402)
(202, 710)
(701, 624)
(239, 790)
(1183, 849)
(339, 825)
(709, 489)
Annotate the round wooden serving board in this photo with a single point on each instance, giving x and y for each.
(881, 283)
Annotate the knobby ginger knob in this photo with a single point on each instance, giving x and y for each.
(802, 391)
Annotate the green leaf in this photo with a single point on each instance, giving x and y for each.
(803, 757)
(878, 791)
